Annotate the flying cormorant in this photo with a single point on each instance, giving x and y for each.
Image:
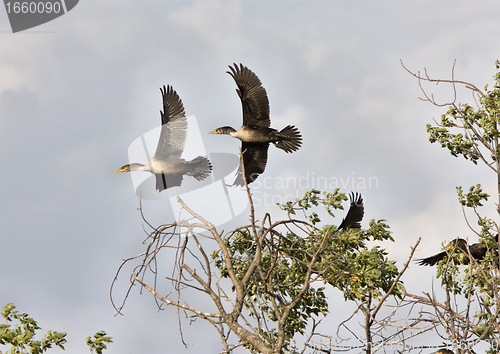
(255, 133)
(167, 164)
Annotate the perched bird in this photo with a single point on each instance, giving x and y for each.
(167, 164)
(477, 251)
(352, 219)
(355, 214)
(255, 133)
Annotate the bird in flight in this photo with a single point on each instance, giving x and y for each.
(255, 133)
(167, 164)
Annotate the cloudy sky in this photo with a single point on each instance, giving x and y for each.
(77, 91)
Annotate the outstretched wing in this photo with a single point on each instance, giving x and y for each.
(254, 160)
(432, 260)
(355, 213)
(457, 244)
(253, 97)
(174, 126)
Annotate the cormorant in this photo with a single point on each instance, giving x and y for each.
(355, 213)
(166, 164)
(255, 134)
(477, 251)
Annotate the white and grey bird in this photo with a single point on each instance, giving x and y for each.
(167, 164)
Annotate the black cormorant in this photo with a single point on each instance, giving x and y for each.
(477, 251)
(167, 164)
(255, 133)
(355, 214)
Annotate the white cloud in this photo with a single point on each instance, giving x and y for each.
(108, 28)
(331, 69)
(213, 23)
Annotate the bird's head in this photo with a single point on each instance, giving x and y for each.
(132, 167)
(125, 168)
(459, 243)
(223, 130)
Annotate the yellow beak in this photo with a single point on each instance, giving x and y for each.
(214, 132)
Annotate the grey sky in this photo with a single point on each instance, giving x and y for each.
(75, 92)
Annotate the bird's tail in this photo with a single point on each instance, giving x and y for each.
(200, 168)
(291, 140)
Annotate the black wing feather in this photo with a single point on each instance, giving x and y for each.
(254, 160)
(254, 101)
(355, 213)
(432, 260)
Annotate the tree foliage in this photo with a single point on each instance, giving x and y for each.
(20, 335)
(19, 332)
(98, 342)
(267, 280)
(277, 271)
(470, 310)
